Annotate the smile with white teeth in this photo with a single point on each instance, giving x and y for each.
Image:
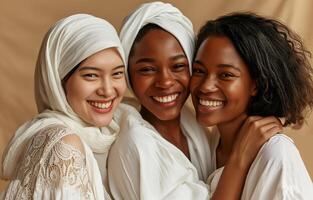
(100, 105)
(210, 103)
(166, 99)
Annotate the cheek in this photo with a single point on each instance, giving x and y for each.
(71, 91)
(76, 91)
(186, 81)
(239, 93)
(121, 87)
(141, 83)
(194, 83)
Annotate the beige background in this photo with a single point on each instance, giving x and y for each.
(23, 24)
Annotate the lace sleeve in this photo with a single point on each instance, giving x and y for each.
(53, 167)
(64, 170)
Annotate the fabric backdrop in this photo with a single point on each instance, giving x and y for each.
(24, 23)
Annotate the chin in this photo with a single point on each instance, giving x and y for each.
(168, 116)
(103, 123)
(204, 121)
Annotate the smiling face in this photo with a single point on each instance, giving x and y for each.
(221, 85)
(96, 87)
(159, 74)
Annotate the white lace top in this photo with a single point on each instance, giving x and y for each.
(53, 167)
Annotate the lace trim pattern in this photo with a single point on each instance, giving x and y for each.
(51, 163)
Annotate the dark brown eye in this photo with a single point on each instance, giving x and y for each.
(226, 75)
(180, 66)
(118, 74)
(197, 71)
(90, 76)
(147, 70)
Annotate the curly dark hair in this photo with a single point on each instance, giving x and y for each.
(277, 60)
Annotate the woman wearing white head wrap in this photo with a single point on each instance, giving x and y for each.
(163, 153)
(57, 155)
(142, 163)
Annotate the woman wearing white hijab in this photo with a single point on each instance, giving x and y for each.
(163, 153)
(79, 82)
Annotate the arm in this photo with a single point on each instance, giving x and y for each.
(254, 132)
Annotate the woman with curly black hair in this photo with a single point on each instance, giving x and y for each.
(245, 63)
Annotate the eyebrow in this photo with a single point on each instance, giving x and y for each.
(119, 66)
(220, 65)
(143, 60)
(229, 66)
(198, 62)
(178, 57)
(150, 60)
(97, 69)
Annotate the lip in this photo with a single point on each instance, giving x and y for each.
(101, 110)
(209, 97)
(167, 104)
(101, 100)
(209, 108)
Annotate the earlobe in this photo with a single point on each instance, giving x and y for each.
(254, 91)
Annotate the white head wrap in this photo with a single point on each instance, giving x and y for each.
(67, 43)
(164, 15)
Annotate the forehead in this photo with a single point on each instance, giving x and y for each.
(157, 41)
(218, 49)
(106, 59)
(217, 52)
(217, 45)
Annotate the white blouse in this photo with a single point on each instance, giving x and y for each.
(277, 173)
(144, 165)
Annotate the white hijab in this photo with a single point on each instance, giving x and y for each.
(70, 41)
(164, 15)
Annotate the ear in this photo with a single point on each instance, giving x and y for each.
(254, 88)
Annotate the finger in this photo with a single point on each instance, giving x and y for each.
(253, 118)
(272, 130)
(249, 120)
(267, 131)
(266, 120)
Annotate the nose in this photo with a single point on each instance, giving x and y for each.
(106, 88)
(209, 84)
(165, 79)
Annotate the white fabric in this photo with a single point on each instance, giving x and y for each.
(164, 15)
(53, 169)
(67, 43)
(144, 165)
(277, 173)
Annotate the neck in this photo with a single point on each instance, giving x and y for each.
(228, 134)
(168, 129)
